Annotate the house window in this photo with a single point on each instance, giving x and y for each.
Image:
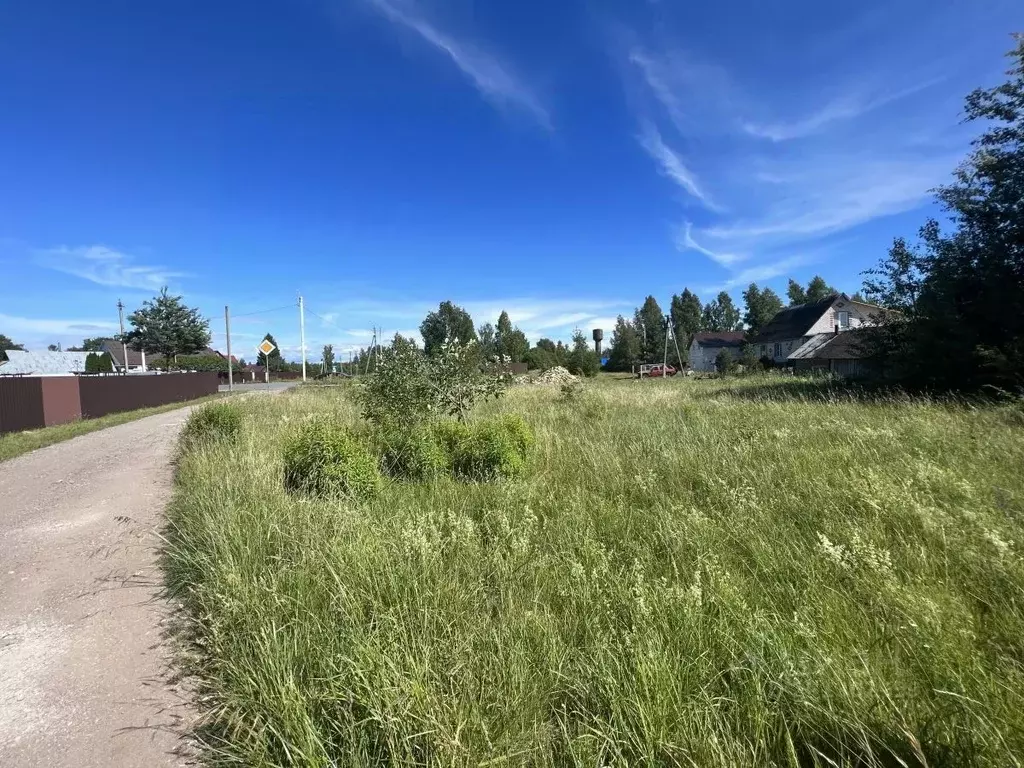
(778, 349)
(843, 319)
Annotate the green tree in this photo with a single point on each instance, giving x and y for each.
(449, 322)
(720, 314)
(106, 363)
(164, 325)
(725, 363)
(328, 358)
(761, 307)
(650, 325)
(546, 354)
(92, 363)
(583, 360)
(486, 340)
(796, 293)
(7, 343)
(510, 341)
(748, 358)
(625, 346)
(686, 314)
(92, 345)
(272, 361)
(959, 324)
(819, 290)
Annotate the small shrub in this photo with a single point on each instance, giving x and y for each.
(217, 421)
(492, 449)
(571, 391)
(416, 454)
(324, 459)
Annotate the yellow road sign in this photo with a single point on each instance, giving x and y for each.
(266, 347)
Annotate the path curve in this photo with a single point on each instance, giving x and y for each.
(83, 670)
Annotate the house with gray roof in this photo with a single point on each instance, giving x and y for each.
(705, 346)
(809, 332)
(22, 363)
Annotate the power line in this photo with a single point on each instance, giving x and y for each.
(265, 311)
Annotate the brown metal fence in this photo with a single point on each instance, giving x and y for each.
(21, 404)
(33, 402)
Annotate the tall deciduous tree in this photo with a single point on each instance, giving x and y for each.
(959, 324)
(818, 289)
(625, 347)
(720, 314)
(686, 313)
(583, 360)
(510, 341)
(761, 306)
(486, 339)
(166, 326)
(650, 324)
(328, 358)
(450, 321)
(796, 293)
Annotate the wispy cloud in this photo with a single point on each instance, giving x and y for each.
(491, 76)
(846, 107)
(37, 332)
(671, 164)
(106, 266)
(820, 173)
(685, 242)
(761, 272)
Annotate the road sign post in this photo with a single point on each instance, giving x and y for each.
(266, 347)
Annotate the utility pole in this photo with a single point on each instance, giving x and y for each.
(227, 335)
(302, 334)
(668, 330)
(124, 347)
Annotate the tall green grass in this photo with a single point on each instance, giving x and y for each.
(689, 573)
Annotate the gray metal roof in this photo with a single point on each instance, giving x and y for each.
(43, 363)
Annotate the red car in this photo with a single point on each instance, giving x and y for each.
(661, 370)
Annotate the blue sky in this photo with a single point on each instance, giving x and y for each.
(558, 160)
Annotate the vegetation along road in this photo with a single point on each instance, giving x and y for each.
(81, 662)
(765, 572)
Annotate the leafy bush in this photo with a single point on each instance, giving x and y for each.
(417, 454)
(478, 450)
(410, 387)
(725, 363)
(324, 459)
(217, 421)
(492, 449)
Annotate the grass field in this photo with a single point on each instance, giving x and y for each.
(16, 443)
(692, 573)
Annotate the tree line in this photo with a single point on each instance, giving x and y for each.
(957, 294)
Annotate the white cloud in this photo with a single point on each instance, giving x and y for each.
(106, 266)
(685, 242)
(38, 332)
(492, 77)
(846, 107)
(671, 164)
(761, 272)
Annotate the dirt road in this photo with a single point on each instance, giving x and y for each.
(82, 666)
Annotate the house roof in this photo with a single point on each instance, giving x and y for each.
(719, 338)
(794, 322)
(43, 363)
(116, 351)
(845, 345)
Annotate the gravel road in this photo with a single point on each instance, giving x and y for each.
(83, 671)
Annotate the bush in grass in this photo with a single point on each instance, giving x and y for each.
(417, 453)
(217, 421)
(492, 449)
(325, 459)
(478, 450)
